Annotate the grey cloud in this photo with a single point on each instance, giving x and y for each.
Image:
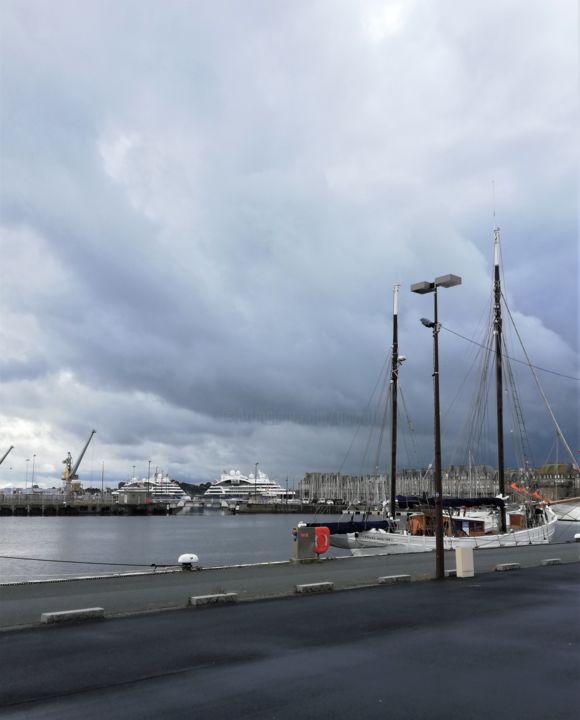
(227, 198)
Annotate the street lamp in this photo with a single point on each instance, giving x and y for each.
(26, 481)
(32, 480)
(422, 288)
(148, 479)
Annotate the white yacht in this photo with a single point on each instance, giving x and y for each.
(160, 488)
(233, 485)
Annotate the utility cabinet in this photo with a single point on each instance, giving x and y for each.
(304, 544)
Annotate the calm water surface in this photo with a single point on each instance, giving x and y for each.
(216, 538)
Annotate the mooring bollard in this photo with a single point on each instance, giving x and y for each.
(188, 561)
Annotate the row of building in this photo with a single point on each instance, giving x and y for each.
(553, 481)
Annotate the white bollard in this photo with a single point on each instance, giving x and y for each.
(464, 562)
(188, 561)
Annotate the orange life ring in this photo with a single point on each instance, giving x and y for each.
(322, 540)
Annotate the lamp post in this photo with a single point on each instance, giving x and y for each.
(148, 479)
(33, 461)
(26, 481)
(423, 288)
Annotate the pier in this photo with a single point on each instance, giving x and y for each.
(44, 505)
(23, 603)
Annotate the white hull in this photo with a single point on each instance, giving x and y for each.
(234, 487)
(405, 543)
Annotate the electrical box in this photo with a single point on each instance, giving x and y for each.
(304, 544)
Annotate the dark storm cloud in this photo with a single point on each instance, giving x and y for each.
(204, 212)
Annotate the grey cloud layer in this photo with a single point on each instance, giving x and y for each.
(210, 207)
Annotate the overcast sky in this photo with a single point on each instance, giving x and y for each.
(205, 207)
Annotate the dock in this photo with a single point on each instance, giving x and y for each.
(22, 604)
(16, 505)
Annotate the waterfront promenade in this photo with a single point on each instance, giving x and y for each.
(22, 604)
(500, 645)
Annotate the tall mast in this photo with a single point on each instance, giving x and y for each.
(394, 383)
(497, 331)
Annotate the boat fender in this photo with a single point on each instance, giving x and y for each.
(188, 561)
(322, 540)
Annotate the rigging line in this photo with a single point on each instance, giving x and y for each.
(475, 424)
(541, 390)
(81, 562)
(518, 417)
(414, 458)
(370, 436)
(523, 362)
(360, 424)
(476, 357)
(387, 404)
(374, 419)
(554, 447)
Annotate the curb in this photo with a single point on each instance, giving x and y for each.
(208, 600)
(51, 618)
(315, 587)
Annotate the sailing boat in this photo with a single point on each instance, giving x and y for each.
(345, 534)
(469, 522)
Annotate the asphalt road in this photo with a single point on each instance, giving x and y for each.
(500, 645)
(23, 604)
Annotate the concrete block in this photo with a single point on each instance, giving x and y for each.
(218, 599)
(51, 618)
(507, 566)
(393, 579)
(552, 561)
(315, 587)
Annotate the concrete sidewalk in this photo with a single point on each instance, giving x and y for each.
(23, 604)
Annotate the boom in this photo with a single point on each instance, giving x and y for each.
(6, 454)
(69, 473)
(81, 456)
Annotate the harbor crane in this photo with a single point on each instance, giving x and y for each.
(69, 472)
(6, 454)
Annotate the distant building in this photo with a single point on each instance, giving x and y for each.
(555, 481)
(558, 480)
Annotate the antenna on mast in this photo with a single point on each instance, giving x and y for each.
(495, 231)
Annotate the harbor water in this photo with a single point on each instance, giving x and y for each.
(136, 543)
(37, 548)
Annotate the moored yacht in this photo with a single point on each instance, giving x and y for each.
(233, 485)
(159, 489)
